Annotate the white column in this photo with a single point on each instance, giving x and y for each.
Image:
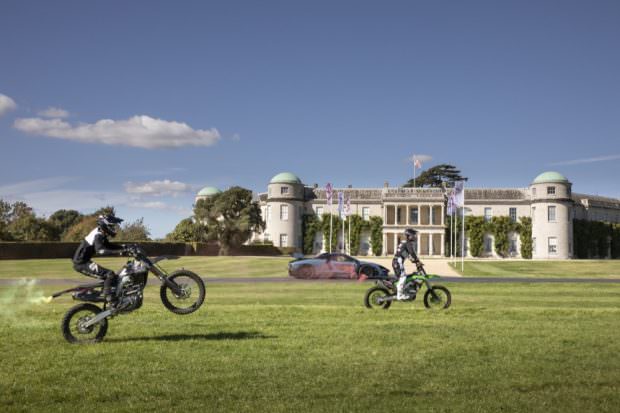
(384, 249)
(395, 241)
(443, 243)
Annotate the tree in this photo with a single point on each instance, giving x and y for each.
(436, 175)
(134, 231)
(188, 231)
(30, 228)
(63, 219)
(230, 217)
(79, 230)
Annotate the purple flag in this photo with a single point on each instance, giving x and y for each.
(347, 207)
(340, 202)
(459, 194)
(329, 191)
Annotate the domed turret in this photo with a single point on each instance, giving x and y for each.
(552, 223)
(284, 211)
(206, 192)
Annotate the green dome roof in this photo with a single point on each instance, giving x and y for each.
(285, 178)
(208, 191)
(549, 176)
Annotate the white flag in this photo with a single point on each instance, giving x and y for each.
(328, 192)
(340, 203)
(459, 194)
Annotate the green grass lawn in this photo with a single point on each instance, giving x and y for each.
(204, 266)
(551, 269)
(303, 346)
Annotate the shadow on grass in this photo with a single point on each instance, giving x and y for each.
(239, 335)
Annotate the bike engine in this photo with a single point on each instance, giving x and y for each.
(131, 294)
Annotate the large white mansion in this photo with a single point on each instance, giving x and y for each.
(548, 200)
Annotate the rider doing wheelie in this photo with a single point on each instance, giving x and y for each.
(96, 243)
(406, 249)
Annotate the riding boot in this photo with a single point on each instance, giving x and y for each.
(400, 286)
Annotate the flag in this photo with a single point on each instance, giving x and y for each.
(328, 191)
(340, 203)
(417, 163)
(459, 194)
(347, 206)
(451, 203)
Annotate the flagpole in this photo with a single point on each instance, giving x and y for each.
(330, 227)
(463, 238)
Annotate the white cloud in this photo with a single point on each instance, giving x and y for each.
(137, 131)
(6, 104)
(588, 160)
(158, 188)
(35, 185)
(53, 112)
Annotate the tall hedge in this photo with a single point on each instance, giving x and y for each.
(525, 234)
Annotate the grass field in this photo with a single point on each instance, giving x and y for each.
(551, 269)
(205, 266)
(312, 346)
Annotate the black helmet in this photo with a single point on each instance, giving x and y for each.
(107, 223)
(410, 234)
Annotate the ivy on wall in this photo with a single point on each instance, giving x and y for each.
(500, 226)
(594, 239)
(376, 235)
(358, 225)
(311, 225)
(525, 234)
(336, 226)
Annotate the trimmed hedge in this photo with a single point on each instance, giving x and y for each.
(34, 250)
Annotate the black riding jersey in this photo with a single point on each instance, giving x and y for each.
(406, 249)
(95, 243)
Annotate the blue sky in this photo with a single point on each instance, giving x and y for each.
(140, 104)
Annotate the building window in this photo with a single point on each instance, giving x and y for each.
(551, 190)
(366, 213)
(413, 216)
(488, 244)
(284, 190)
(266, 237)
(553, 245)
(268, 213)
(513, 214)
(283, 240)
(551, 213)
(533, 214)
(284, 212)
(512, 246)
(534, 245)
(319, 210)
(533, 191)
(488, 214)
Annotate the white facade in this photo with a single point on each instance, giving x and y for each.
(548, 200)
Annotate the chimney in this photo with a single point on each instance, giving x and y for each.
(349, 186)
(386, 184)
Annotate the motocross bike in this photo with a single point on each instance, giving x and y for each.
(181, 292)
(384, 292)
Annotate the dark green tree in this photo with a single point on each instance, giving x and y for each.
(134, 231)
(188, 231)
(63, 219)
(436, 175)
(230, 217)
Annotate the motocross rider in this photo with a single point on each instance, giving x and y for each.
(96, 243)
(406, 249)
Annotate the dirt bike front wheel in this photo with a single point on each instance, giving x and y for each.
(189, 298)
(373, 297)
(73, 329)
(438, 301)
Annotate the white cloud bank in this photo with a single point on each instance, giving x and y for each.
(158, 188)
(53, 112)
(137, 131)
(6, 104)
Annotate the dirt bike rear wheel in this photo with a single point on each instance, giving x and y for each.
(71, 327)
(442, 300)
(370, 299)
(192, 296)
